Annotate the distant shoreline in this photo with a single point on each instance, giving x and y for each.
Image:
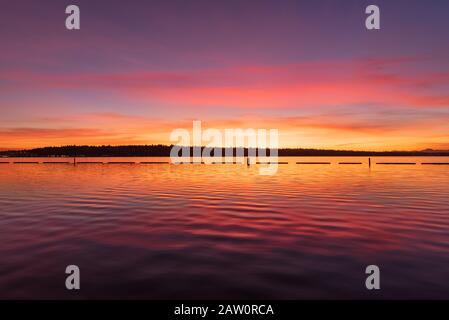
(289, 156)
(164, 151)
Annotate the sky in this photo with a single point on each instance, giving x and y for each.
(136, 70)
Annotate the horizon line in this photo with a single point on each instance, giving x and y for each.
(212, 147)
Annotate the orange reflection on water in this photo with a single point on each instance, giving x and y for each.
(158, 223)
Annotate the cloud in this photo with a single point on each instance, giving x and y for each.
(325, 103)
(338, 129)
(387, 82)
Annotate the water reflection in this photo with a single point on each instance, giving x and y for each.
(159, 230)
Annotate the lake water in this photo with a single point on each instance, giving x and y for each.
(167, 231)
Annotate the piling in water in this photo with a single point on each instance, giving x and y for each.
(397, 163)
(26, 162)
(154, 162)
(89, 162)
(313, 163)
(226, 162)
(55, 162)
(349, 163)
(435, 163)
(271, 162)
(121, 162)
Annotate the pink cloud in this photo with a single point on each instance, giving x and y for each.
(282, 86)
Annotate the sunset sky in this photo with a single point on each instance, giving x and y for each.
(139, 69)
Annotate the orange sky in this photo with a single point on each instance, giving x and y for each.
(309, 70)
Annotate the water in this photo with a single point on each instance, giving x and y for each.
(162, 231)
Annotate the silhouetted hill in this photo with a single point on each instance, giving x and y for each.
(164, 151)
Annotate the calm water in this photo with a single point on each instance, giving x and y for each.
(223, 231)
